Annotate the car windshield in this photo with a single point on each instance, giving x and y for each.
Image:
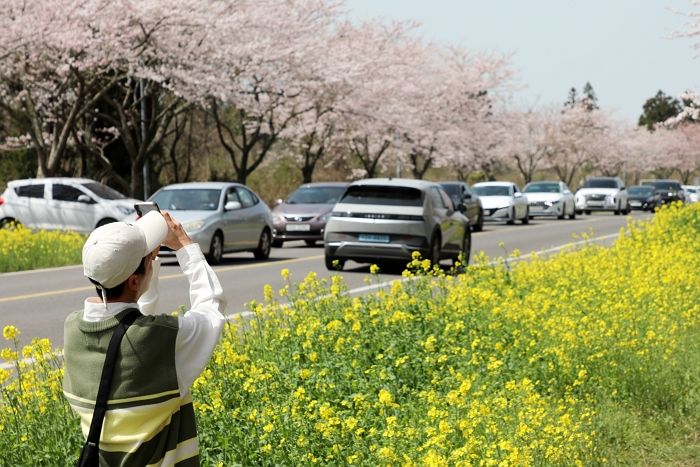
(103, 191)
(452, 189)
(542, 188)
(188, 199)
(641, 190)
(691, 190)
(600, 183)
(665, 186)
(383, 195)
(316, 195)
(492, 190)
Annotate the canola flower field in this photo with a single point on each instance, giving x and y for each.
(589, 357)
(22, 248)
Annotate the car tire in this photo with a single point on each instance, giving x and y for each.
(435, 249)
(465, 251)
(563, 212)
(627, 210)
(588, 212)
(479, 226)
(526, 219)
(264, 245)
(106, 221)
(329, 260)
(572, 216)
(578, 211)
(618, 209)
(277, 243)
(7, 222)
(216, 249)
(511, 221)
(310, 242)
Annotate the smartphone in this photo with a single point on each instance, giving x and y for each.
(143, 208)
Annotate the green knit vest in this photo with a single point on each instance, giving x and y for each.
(147, 421)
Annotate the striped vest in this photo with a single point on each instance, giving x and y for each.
(147, 422)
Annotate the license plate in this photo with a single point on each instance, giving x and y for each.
(298, 227)
(635, 203)
(595, 203)
(374, 238)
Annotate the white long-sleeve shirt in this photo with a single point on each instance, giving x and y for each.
(199, 327)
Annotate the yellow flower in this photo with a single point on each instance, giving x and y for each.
(285, 274)
(10, 332)
(374, 269)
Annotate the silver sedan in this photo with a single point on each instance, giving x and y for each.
(222, 217)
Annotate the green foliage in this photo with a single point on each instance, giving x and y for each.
(658, 109)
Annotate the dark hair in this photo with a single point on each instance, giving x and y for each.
(117, 290)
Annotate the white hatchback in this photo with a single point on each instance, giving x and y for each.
(77, 204)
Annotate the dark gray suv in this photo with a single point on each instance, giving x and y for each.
(386, 220)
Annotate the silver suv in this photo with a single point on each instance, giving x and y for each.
(388, 219)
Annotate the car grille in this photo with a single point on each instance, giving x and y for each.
(539, 204)
(298, 218)
(595, 197)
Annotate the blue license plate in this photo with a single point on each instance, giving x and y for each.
(374, 238)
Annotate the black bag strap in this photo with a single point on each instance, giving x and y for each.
(98, 416)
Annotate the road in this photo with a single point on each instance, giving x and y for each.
(37, 302)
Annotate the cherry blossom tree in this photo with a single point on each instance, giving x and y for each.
(528, 140)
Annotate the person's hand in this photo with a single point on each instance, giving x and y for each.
(177, 237)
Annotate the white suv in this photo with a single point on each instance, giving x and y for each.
(602, 194)
(77, 204)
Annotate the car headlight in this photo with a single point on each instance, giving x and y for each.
(126, 210)
(552, 203)
(193, 226)
(277, 218)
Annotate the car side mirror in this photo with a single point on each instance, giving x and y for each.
(232, 206)
(467, 196)
(85, 199)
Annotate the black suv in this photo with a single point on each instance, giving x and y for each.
(667, 191)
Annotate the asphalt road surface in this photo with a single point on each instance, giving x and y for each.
(37, 302)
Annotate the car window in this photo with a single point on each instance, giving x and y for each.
(31, 191)
(62, 192)
(190, 199)
(600, 183)
(103, 191)
(492, 190)
(247, 198)
(316, 195)
(446, 199)
(436, 199)
(383, 195)
(541, 188)
(641, 190)
(232, 195)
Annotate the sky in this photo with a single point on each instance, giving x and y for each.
(622, 47)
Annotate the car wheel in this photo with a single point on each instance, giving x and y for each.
(618, 209)
(106, 221)
(479, 226)
(216, 249)
(310, 242)
(264, 245)
(572, 216)
(526, 219)
(588, 212)
(465, 251)
(334, 264)
(435, 250)
(628, 209)
(277, 243)
(511, 221)
(563, 212)
(7, 222)
(578, 211)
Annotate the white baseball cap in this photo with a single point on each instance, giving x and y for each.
(114, 251)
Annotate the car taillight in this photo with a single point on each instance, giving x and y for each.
(2, 201)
